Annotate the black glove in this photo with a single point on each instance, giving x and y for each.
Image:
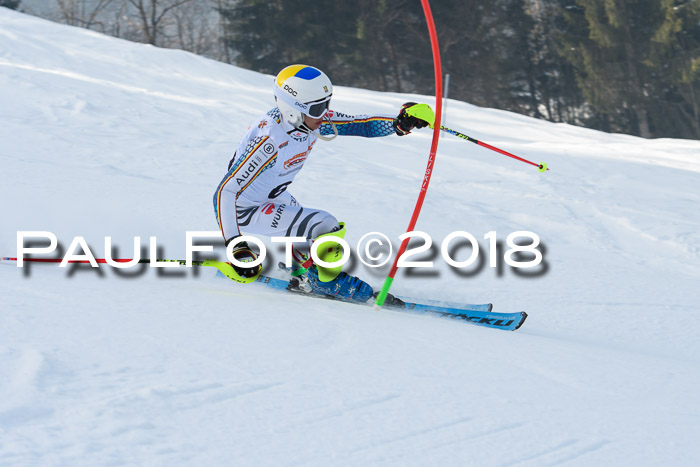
(404, 123)
(243, 253)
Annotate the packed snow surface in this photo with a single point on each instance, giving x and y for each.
(102, 137)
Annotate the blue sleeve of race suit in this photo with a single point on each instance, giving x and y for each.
(361, 125)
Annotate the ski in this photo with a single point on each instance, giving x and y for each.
(478, 314)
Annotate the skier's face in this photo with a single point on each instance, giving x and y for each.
(313, 123)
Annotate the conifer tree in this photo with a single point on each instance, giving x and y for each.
(636, 63)
(11, 4)
(675, 57)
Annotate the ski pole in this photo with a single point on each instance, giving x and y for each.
(541, 166)
(225, 268)
(424, 113)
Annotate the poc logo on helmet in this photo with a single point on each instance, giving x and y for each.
(290, 90)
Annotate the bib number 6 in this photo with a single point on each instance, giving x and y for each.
(279, 190)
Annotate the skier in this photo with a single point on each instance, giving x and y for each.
(253, 196)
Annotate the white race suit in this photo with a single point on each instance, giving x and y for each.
(253, 195)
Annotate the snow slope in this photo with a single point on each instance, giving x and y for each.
(101, 137)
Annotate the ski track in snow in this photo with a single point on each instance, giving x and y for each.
(103, 137)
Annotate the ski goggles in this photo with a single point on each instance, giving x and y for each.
(318, 109)
(314, 109)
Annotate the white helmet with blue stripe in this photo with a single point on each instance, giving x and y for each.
(302, 90)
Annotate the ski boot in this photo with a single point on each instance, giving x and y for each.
(343, 287)
(329, 282)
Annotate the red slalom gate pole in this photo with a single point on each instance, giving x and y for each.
(433, 149)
